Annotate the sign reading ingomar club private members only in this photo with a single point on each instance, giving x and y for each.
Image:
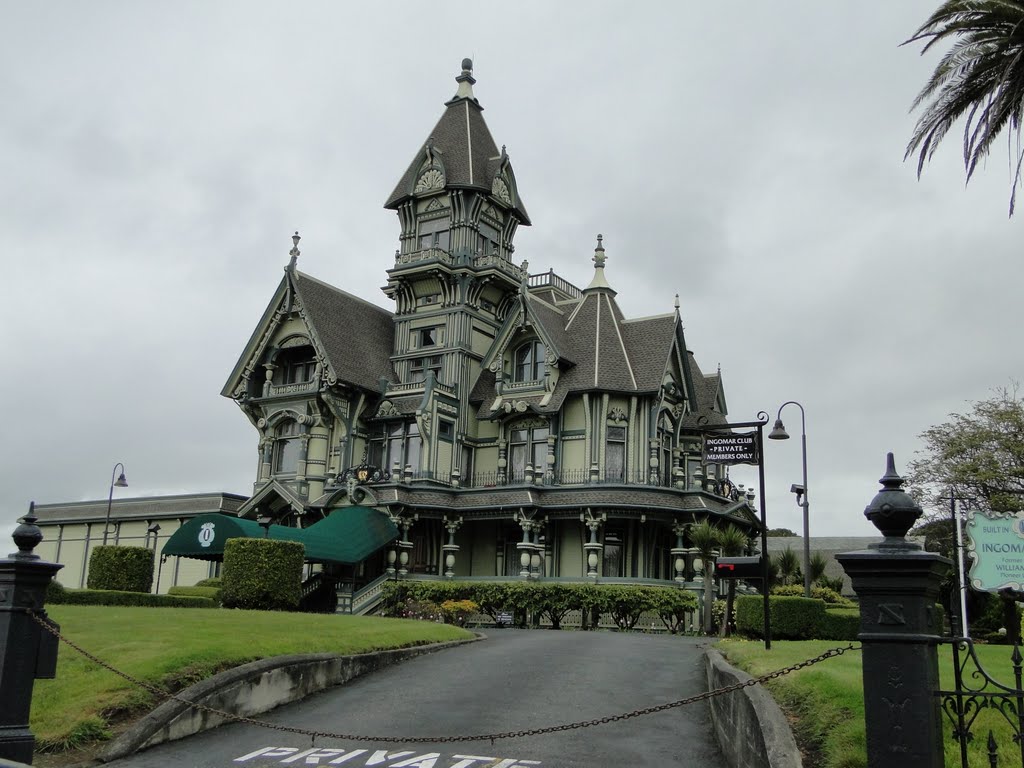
(735, 448)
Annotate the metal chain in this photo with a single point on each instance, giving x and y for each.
(164, 695)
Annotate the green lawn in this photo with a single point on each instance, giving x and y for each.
(827, 706)
(175, 647)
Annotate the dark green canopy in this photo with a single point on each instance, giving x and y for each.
(346, 535)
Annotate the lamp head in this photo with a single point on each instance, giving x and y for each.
(121, 482)
(154, 528)
(778, 431)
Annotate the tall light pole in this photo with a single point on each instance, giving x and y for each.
(779, 433)
(120, 482)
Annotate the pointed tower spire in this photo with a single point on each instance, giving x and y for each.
(599, 259)
(294, 252)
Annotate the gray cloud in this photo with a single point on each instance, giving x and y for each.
(154, 160)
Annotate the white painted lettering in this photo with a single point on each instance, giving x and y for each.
(513, 762)
(267, 752)
(299, 755)
(381, 755)
(420, 761)
(465, 761)
(314, 756)
(347, 756)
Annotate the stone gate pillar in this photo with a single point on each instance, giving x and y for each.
(23, 580)
(898, 583)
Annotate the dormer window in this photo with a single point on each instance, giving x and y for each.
(295, 366)
(435, 234)
(529, 361)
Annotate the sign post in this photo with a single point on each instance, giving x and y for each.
(723, 446)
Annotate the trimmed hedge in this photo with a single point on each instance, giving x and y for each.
(213, 593)
(551, 600)
(127, 569)
(66, 596)
(262, 574)
(796, 618)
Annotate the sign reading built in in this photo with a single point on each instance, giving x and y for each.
(995, 545)
(735, 448)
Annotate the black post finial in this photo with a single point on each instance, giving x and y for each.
(27, 535)
(893, 511)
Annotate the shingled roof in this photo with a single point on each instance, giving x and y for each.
(464, 146)
(357, 337)
(599, 350)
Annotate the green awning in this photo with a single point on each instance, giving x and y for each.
(347, 535)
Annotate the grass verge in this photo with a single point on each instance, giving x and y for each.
(176, 647)
(825, 702)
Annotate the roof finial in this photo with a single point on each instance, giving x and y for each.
(294, 252)
(465, 81)
(599, 257)
(677, 302)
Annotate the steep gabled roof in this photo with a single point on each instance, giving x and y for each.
(649, 341)
(357, 337)
(705, 395)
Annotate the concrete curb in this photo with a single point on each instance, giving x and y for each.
(254, 688)
(751, 730)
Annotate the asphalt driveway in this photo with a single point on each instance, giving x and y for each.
(513, 680)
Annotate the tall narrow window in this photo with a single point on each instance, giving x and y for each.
(400, 445)
(286, 447)
(613, 562)
(665, 434)
(488, 241)
(527, 446)
(529, 361)
(615, 455)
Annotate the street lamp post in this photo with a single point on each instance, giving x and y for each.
(120, 482)
(155, 530)
(779, 433)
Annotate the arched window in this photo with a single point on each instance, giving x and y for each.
(529, 361)
(286, 447)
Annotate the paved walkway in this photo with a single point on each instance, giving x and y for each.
(515, 679)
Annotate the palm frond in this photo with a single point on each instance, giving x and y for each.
(979, 80)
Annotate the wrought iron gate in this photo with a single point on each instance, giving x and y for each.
(975, 692)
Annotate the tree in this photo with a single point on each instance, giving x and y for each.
(732, 542)
(780, 532)
(978, 455)
(980, 78)
(704, 537)
(787, 565)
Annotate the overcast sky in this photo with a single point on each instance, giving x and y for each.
(156, 157)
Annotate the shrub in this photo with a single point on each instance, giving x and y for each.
(458, 612)
(55, 592)
(213, 593)
(796, 618)
(673, 607)
(213, 581)
(262, 574)
(114, 597)
(831, 597)
(128, 569)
